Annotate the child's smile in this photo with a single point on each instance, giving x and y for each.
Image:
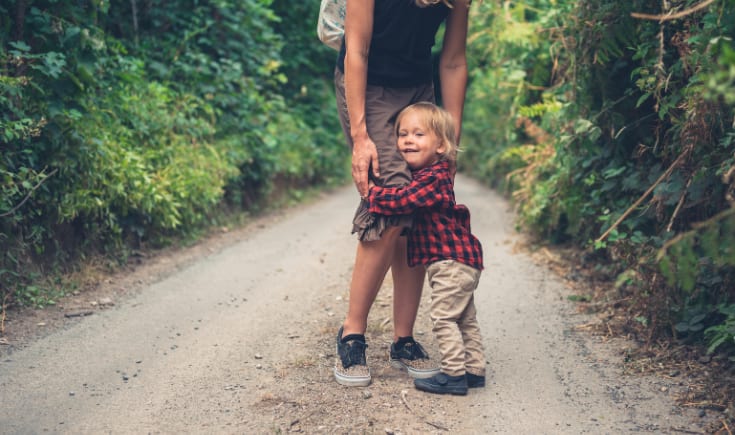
(419, 145)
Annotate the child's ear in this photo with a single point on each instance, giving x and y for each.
(442, 148)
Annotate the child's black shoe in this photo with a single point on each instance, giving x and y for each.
(475, 381)
(443, 384)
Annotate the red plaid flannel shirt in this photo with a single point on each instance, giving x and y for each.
(441, 228)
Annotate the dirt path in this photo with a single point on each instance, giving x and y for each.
(241, 341)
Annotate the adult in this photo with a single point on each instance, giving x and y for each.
(384, 65)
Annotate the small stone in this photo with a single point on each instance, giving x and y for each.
(106, 301)
(71, 393)
(366, 394)
(258, 356)
(258, 366)
(664, 389)
(674, 373)
(702, 413)
(389, 431)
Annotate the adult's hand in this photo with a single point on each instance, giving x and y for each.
(364, 157)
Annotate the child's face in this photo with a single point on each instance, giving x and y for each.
(419, 145)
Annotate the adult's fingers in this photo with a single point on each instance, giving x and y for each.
(364, 155)
(360, 168)
(375, 165)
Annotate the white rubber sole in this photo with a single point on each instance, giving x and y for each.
(414, 373)
(352, 381)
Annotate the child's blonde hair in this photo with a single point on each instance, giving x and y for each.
(438, 121)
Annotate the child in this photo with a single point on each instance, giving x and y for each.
(440, 239)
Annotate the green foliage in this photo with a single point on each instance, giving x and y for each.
(692, 324)
(722, 335)
(153, 165)
(694, 253)
(616, 134)
(134, 123)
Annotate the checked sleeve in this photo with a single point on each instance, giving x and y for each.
(427, 190)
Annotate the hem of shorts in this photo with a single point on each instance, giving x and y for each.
(371, 228)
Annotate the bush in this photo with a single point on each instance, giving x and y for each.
(136, 123)
(615, 134)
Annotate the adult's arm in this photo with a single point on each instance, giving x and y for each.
(453, 62)
(358, 33)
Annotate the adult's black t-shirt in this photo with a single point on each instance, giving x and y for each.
(400, 49)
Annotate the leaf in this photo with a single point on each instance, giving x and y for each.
(582, 126)
(20, 45)
(717, 342)
(642, 99)
(682, 327)
(613, 172)
(517, 75)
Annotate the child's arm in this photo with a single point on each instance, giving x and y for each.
(423, 192)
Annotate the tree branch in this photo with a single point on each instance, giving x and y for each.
(669, 16)
(28, 196)
(645, 194)
(678, 206)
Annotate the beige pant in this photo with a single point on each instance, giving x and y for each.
(454, 316)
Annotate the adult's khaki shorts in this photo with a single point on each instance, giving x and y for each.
(382, 106)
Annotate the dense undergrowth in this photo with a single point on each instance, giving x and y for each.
(135, 124)
(612, 125)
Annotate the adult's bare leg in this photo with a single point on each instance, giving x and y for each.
(371, 264)
(407, 285)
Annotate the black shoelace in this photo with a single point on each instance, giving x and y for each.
(412, 351)
(352, 353)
